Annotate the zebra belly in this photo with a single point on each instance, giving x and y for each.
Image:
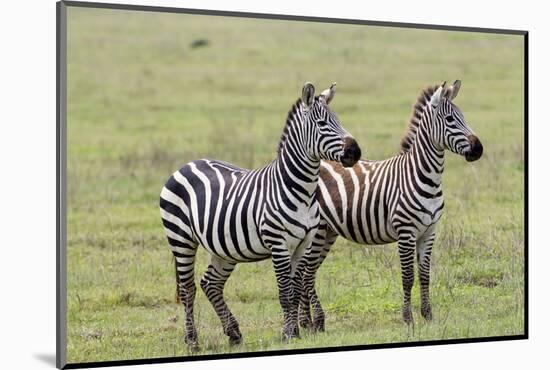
(237, 252)
(232, 234)
(364, 232)
(216, 205)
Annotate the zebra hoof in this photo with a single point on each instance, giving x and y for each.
(319, 326)
(306, 323)
(290, 334)
(289, 338)
(427, 313)
(235, 340)
(193, 346)
(407, 317)
(234, 334)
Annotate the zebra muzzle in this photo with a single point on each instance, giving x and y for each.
(352, 152)
(476, 149)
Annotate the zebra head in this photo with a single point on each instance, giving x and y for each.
(325, 137)
(451, 130)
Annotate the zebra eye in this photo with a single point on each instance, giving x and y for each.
(449, 118)
(322, 123)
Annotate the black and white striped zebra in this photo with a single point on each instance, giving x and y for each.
(397, 199)
(241, 215)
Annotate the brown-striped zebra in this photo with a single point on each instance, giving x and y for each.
(241, 215)
(399, 199)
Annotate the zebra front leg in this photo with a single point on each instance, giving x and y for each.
(309, 266)
(212, 283)
(406, 245)
(311, 263)
(186, 289)
(297, 289)
(423, 254)
(309, 298)
(286, 284)
(304, 314)
(305, 274)
(318, 313)
(322, 243)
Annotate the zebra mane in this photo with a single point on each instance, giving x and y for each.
(291, 113)
(414, 122)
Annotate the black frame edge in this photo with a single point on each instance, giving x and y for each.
(526, 181)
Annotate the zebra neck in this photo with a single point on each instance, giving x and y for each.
(297, 173)
(427, 160)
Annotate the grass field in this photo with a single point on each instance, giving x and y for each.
(142, 101)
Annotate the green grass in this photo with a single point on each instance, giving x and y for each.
(142, 102)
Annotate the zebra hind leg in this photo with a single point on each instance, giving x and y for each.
(186, 289)
(212, 283)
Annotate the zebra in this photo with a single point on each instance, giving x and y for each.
(399, 199)
(241, 215)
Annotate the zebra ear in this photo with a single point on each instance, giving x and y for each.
(328, 94)
(438, 96)
(453, 89)
(308, 94)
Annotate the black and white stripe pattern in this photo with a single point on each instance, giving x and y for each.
(397, 199)
(241, 215)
